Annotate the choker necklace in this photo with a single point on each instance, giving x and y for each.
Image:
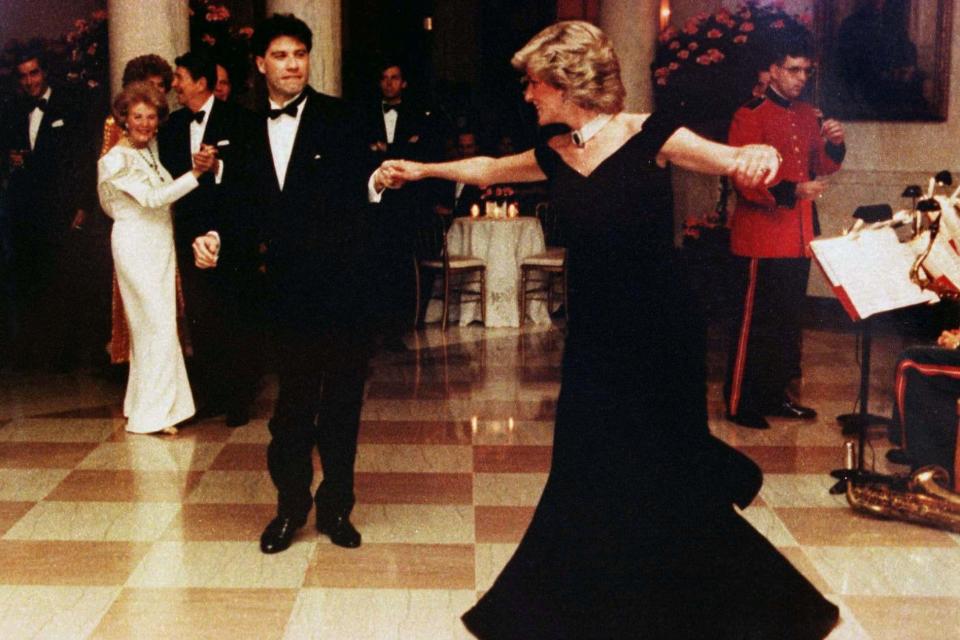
(583, 135)
(151, 161)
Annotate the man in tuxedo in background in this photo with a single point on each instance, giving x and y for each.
(304, 223)
(220, 304)
(397, 128)
(455, 198)
(50, 190)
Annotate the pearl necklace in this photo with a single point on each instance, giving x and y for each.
(152, 161)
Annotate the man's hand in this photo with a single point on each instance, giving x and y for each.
(756, 164)
(403, 171)
(205, 160)
(206, 250)
(389, 176)
(811, 190)
(832, 131)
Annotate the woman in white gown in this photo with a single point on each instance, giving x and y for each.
(136, 192)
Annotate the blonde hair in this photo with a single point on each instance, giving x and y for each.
(139, 93)
(577, 58)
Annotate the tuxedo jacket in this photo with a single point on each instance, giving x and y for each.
(309, 238)
(57, 178)
(229, 128)
(414, 138)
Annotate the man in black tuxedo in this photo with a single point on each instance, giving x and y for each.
(397, 128)
(456, 198)
(305, 203)
(225, 367)
(50, 190)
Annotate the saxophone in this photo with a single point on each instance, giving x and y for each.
(921, 498)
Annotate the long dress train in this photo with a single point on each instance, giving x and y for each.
(635, 535)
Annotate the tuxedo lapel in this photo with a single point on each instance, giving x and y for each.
(53, 113)
(305, 130)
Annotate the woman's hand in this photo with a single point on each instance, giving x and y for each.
(403, 171)
(204, 160)
(755, 164)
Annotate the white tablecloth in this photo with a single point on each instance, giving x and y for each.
(502, 244)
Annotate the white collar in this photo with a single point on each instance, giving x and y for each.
(582, 135)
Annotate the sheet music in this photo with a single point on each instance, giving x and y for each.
(872, 268)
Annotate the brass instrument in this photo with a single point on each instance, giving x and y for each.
(921, 498)
(935, 267)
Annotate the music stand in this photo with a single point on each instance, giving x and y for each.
(860, 421)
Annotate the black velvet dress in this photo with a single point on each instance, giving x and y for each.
(635, 535)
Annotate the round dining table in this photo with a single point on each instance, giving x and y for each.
(502, 244)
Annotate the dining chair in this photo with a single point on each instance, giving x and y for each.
(462, 276)
(543, 273)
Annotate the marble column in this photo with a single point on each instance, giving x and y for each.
(633, 26)
(324, 19)
(138, 27)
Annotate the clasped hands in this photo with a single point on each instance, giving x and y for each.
(205, 160)
(755, 164)
(206, 250)
(393, 174)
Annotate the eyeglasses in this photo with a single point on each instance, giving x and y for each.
(796, 70)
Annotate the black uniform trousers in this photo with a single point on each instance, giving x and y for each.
(321, 380)
(767, 336)
(927, 388)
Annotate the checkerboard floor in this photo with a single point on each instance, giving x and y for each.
(104, 534)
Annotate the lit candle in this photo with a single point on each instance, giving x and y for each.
(474, 210)
(490, 209)
(513, 210)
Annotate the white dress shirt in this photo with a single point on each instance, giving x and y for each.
(390, 123)
(282, 132)
(36, 116)
(197, 129)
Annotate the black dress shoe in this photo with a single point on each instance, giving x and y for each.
(749, 419)
(279, 534)
(790, 409)
(339, 529)
(237, 417)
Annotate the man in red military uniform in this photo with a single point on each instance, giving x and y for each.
(771, 227)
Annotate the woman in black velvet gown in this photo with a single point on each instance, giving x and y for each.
(635, 535)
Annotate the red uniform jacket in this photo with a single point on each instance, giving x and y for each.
(771, 222)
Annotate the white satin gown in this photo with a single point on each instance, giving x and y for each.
(137, 196)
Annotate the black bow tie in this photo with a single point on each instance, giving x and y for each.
(387, 108)
(290, 109)
(40, 104)
(198, 116)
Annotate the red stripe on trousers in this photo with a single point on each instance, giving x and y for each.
(736, 387)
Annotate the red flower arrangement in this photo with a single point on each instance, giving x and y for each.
(87, 51)
(709, 64)
(212, 28)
